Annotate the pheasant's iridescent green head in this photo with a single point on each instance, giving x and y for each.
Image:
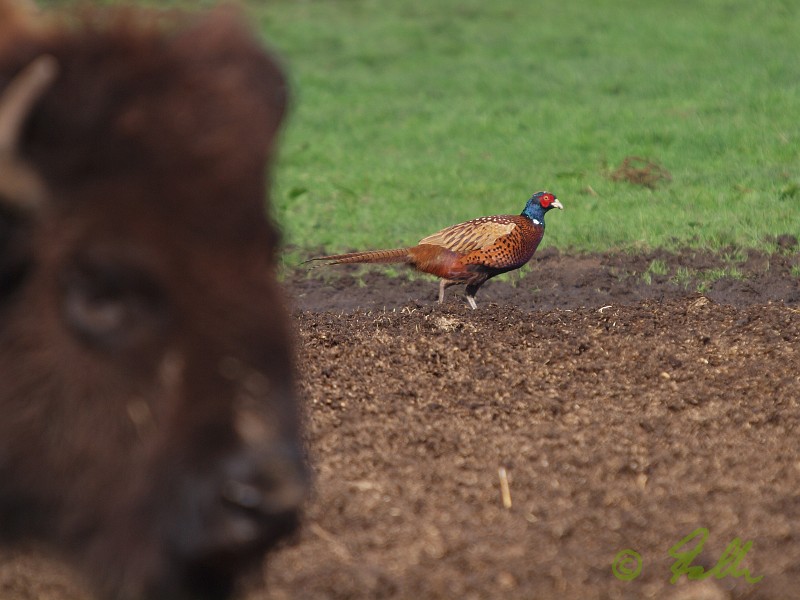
(539, 204)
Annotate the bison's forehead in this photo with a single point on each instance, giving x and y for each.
(178, 216)
(193, 112)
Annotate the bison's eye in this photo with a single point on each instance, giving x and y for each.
(111, 306)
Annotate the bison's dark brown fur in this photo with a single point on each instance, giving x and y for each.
(147, 420)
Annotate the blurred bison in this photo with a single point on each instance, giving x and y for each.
(147, 421)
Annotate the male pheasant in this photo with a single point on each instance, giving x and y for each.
(472, 252)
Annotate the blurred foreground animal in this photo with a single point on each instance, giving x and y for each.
(472, 252)
(148, 422)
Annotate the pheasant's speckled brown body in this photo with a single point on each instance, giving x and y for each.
(472, 252)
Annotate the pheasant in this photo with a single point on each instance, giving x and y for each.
(469, 253)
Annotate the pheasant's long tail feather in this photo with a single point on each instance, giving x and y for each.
(397, 255)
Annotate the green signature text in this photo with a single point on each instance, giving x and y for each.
(728, 564)
(627, 563)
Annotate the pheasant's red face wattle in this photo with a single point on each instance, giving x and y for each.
(546, 200)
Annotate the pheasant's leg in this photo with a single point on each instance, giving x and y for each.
(471, 291)
(444, 284)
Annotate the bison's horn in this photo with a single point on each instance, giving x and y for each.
(19, 97)
(20, 187)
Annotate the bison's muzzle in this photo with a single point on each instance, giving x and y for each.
(237, 513)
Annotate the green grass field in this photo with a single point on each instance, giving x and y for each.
(415, 114)
(411, 115)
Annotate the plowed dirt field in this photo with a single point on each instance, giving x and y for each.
(597, 404)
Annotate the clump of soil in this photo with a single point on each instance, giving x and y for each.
(641, 171)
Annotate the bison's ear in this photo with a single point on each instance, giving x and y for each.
(21, 190)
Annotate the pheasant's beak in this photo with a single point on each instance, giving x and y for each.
(557, 204)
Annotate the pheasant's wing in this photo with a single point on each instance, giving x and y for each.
(472, 235)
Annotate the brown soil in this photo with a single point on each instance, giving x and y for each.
(626, 415)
